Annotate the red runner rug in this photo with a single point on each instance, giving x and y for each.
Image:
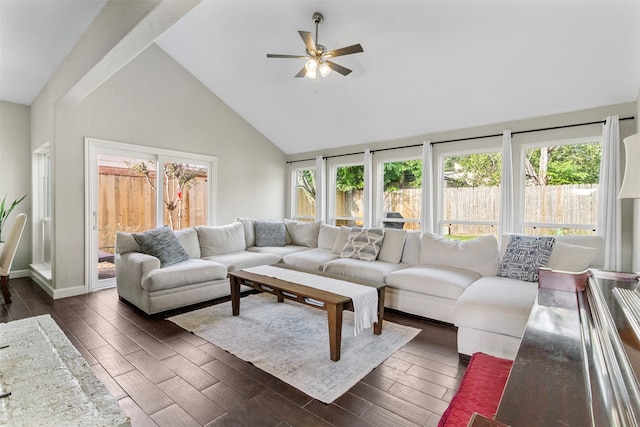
(480, 390)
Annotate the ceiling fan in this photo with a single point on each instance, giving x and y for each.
(317, 56)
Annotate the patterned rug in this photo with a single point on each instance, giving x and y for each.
(291, 342)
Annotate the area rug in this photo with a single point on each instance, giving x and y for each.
(291, 342)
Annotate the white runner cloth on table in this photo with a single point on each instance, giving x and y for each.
(365, 298)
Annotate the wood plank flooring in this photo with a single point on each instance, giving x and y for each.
(165, 376)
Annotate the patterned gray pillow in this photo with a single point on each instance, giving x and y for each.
(363, 244)
(270, 233)
(163, 244)
(524, 256)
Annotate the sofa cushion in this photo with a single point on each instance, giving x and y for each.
(574, 258)
(341, 239)
(496, 304)
(125, 243)
(479, 255)
(278, 250)
(363, 244)
(327, 236)
(163, 244)
(303, 233)
(270, 233)
(244, 259)
(367, 270)
(439, 281)
(313, 259)
(249, 232)
(524, 255)
(392, 245)
(411, 248)
(189, 240)
(182, 274)
(221, 239)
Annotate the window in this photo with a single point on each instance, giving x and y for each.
(42, 206)
(470, 194)
(399, 194)
(304, 194)
(347, 195)
(561, 187)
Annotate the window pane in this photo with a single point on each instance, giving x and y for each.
(305, 195)
(126, 202)
(471, 194)
(402, 194)
(349, 195)
(185, 195)
(561, 189)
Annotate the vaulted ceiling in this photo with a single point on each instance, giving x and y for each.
(427, 66)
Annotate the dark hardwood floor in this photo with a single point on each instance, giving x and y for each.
(165, 376)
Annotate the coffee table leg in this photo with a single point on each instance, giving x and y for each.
(377, 327)
(334, 316)
(234, 282)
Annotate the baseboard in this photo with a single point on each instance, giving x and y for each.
(44, 281)
(69, 292)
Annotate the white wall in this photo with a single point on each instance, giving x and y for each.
(15, 173)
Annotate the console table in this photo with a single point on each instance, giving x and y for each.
(579, 361)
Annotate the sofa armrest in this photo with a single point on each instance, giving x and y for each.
(130, 268)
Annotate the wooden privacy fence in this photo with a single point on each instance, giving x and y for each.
(128, 203)
(564, 204)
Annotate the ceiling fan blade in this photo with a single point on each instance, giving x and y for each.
(302, 72)
(338, 68)
(277, 55)
(356, 48)
(307, 38)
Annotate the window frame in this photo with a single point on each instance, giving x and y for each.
(459, 148)
(332, 167)
(393, 156)
(293, 185)
(519, 180)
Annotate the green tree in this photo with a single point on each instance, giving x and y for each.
(401, 175)
(473, 170)
(565, 164)
(350, 178)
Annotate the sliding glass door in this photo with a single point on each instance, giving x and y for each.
(135, 188)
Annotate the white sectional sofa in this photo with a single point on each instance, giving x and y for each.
(427, 275)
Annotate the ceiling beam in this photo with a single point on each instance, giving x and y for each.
(121, 31)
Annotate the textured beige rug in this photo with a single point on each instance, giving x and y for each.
(291, 342)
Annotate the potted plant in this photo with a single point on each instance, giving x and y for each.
(4, 212)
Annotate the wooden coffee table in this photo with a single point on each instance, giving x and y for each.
(334, 304)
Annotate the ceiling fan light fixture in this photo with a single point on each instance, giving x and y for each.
(312, 68)
(324, 69)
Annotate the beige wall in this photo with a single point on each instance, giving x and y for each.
(154, 102)
(15, 174)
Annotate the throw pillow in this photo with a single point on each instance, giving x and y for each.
(523, 257)
(163, 244)
(303, 233)
(392, 245)
(574, 258)
(363, 244)
(126, 243)
(479, 255)
(270, 233)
